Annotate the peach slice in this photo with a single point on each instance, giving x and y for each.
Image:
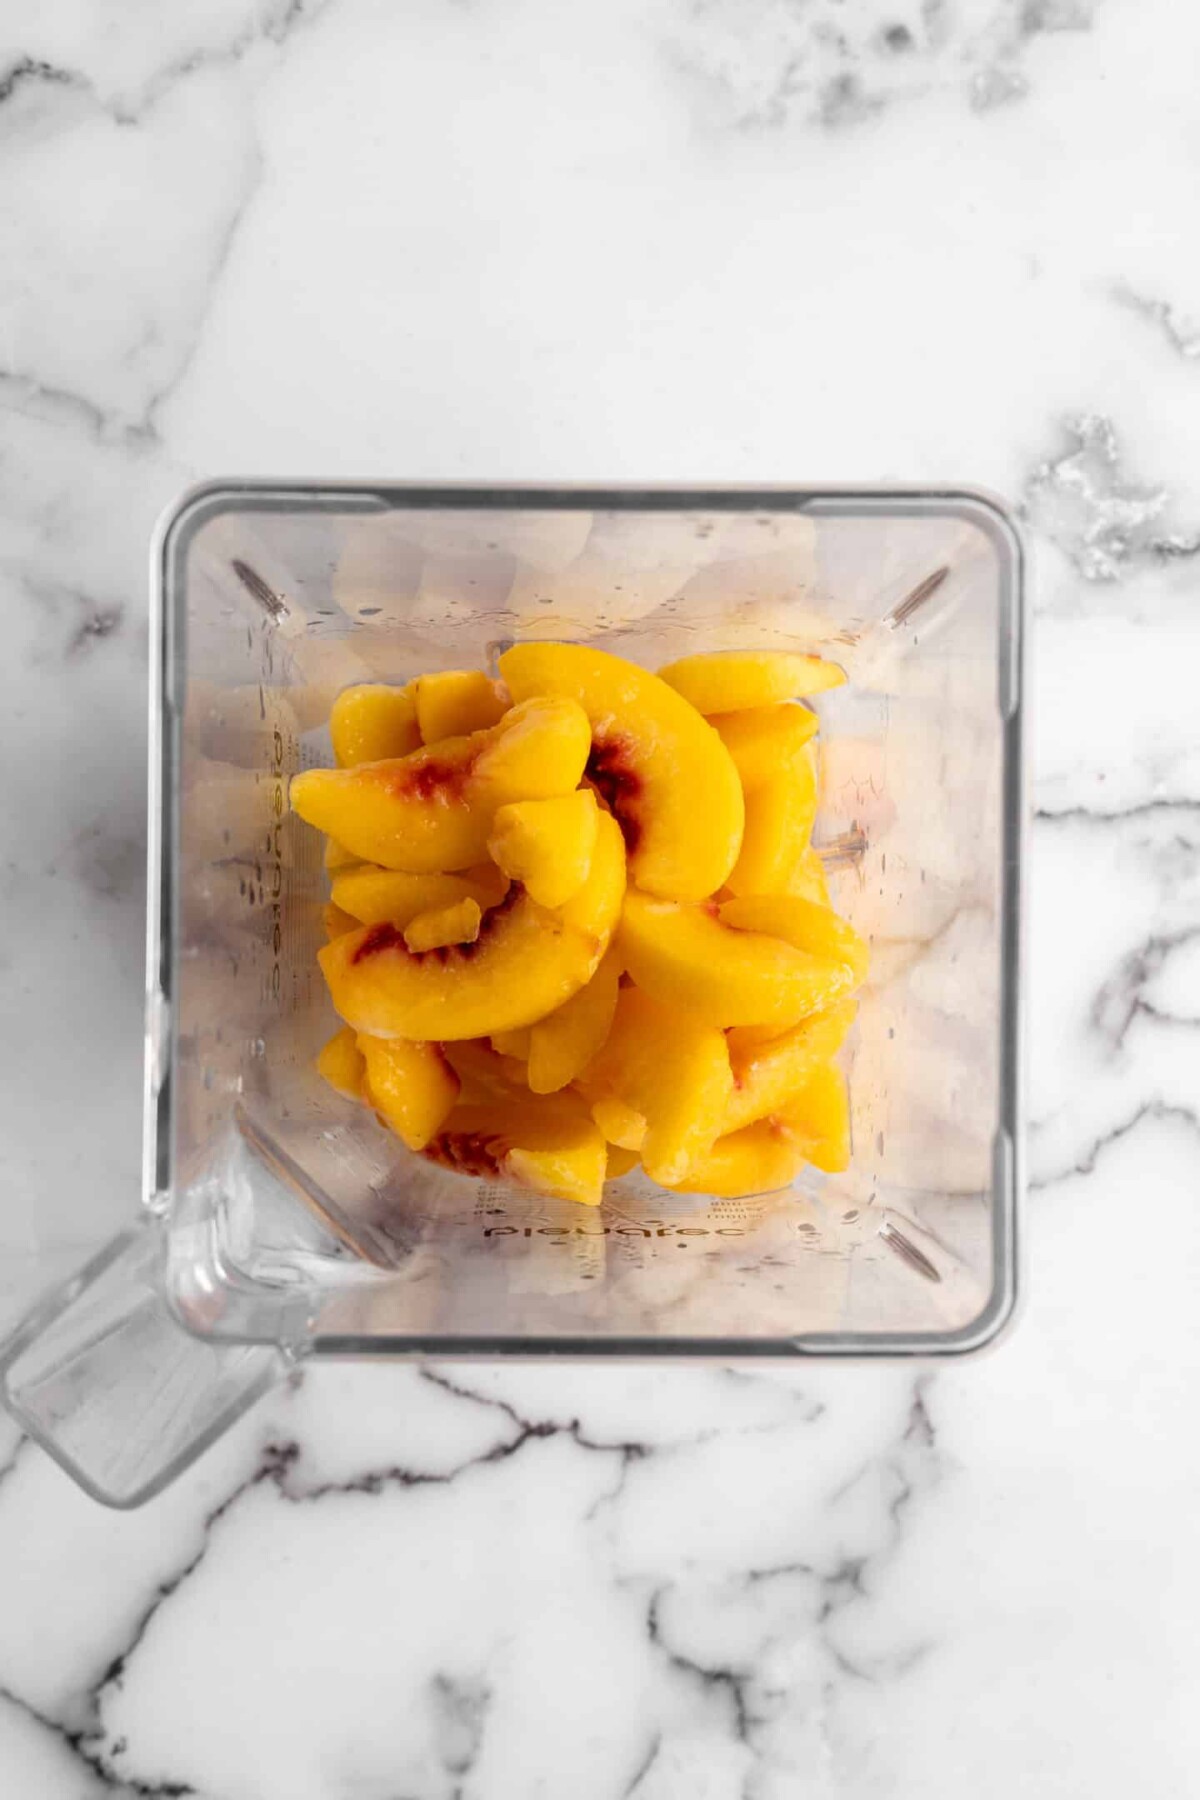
(337, 922)
(412, 1085)
(687, 956)
(337, 856)
(485, 1073)
(619, 1162)
(457, 923)
(817, 1119)
(624, 1127)
(672, 1069)
(515, 1044)
(547, 844)
(561, 1046)
(663, 772)
(547, 1146)
(780, 811)
(374, 896)
(433, 810)
(766, 1075)
(342, 1065)
(527, 961)
(456, 702)
(763, 739)
(758, 1159)
(807, 879)
(371, 722)
(731, 680)
(818, 930)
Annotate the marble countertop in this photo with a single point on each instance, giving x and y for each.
(743, 240)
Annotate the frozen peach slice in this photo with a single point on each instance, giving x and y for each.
(527, 961)
(548, 1146)
(336, 921)
(562, 1045)
(817, 1119)
(341, 1064)
(456, 702)
(457, 923)
(779, 817)
(762, 739)
(731, 680)
(623, 1126)
(808, 927)
(371, 722)
(758, 1159)
(673, 1069)
(485, 1073)
(412, 1085)
(686, 956)
(546, 844)
(662, 771)
(373, 895)
(765, 1075)
(433, 810)
(337, 856)
(619, 1162)
(807, 879)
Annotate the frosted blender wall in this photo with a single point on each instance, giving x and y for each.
(296, 1212)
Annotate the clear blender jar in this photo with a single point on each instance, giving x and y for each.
(279, 1221)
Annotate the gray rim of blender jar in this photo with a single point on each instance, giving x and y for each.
(208, 500)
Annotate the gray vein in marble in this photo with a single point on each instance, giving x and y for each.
(269, 24)
(81, 1746)
(1150, 1111)
(1094, 815)
(1181, 330)
(1082, 499)
(459, 1705)
(759, 64)
(1120, 1001)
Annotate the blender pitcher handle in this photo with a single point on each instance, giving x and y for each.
(104, 1377)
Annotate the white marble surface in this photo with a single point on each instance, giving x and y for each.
(734, 239)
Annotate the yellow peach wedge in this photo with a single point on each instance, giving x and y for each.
(456, 702)
(619, 1162)
(817, 930)
(686, 956)
(457, 923)
(486, 1073)
(563, 1044)
(807, 879)
(341, 1064)
(527, 960)
(432, 811)
(546, 844)
(764, 739)
(779, 817)
(726, 681)
(376, 896)
(336, 921)
(759, 1159)
(766, 1075)
(672, 1069)
(662, 771)
(547, 1146)
(371, 722)
(337, 856)
(817, 1119)
(515, 1044)
(412, 1085)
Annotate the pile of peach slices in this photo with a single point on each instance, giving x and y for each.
(577, 922)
